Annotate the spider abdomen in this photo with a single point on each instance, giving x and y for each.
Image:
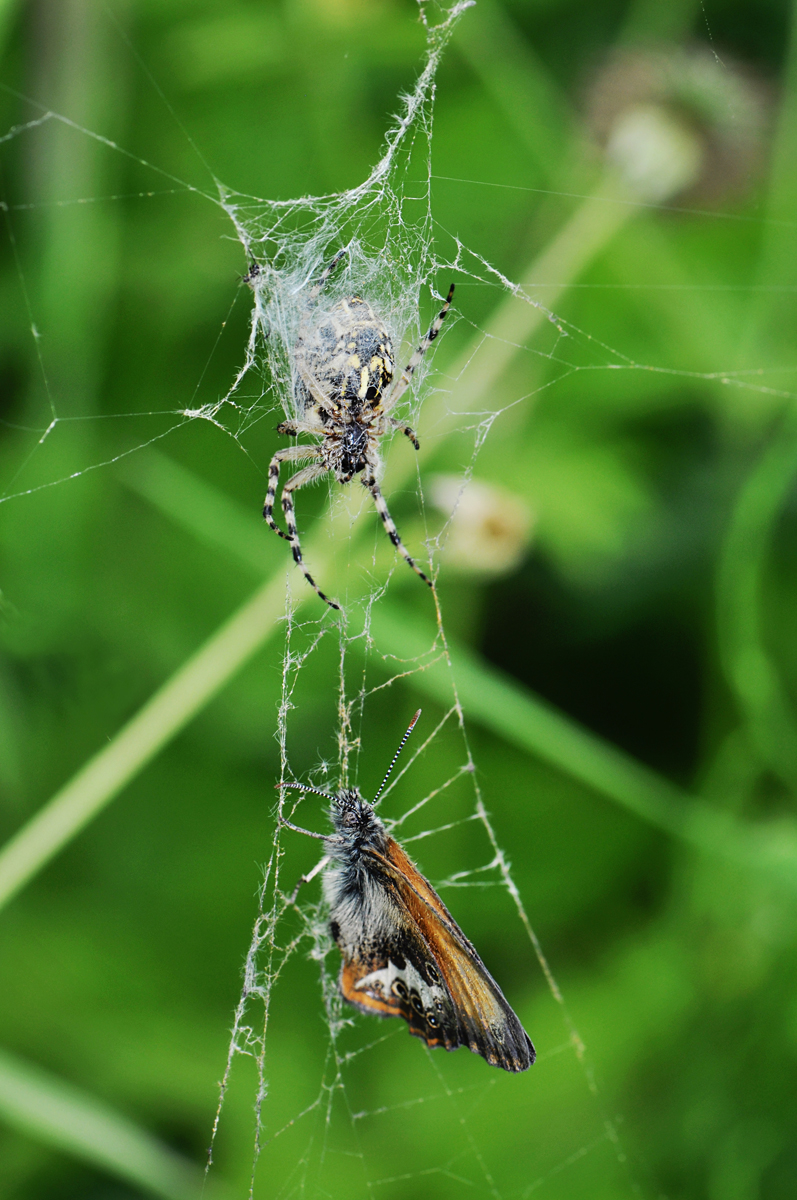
(347, 358)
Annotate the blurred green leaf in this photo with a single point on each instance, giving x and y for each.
(518, 82)
(213, 50)
(67, 1119)
(750, 670)
(7, 9)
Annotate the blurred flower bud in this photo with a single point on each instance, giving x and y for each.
(677, 120)
(489, 528)
(656, 154)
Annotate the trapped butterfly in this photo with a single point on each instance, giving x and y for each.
(403, 953)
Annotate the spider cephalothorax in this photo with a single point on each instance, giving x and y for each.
(344, 391)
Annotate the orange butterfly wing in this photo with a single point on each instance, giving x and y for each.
(430, 974)
(357, 985)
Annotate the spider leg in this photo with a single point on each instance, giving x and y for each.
(289, 454)
(300, 479)
(315, 391)
(381, 507)
(318, 286)
(406, 375)
(407, 431)
(252, 274)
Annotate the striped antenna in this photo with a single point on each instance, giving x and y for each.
(302, 787)
(413, 723)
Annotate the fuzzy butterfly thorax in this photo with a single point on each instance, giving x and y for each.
(354, 885)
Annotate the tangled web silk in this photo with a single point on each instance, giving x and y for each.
(334, 1135)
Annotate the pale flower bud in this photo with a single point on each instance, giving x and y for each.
(489, 528)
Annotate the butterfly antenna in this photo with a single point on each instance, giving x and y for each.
(413, 723)
(303, 787)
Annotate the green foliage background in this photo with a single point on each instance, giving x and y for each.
(654, 608)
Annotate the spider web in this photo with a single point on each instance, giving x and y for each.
(358, 1113)
(368, 1128)
(333, 1139)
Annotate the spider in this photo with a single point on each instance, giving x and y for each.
(344, 364)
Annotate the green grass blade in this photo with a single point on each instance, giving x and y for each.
(59, 1114)
(751, 672)
(495, 700)
(509, 710)
(137, 743)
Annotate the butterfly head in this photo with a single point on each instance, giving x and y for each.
(354, 818)
(355, 822)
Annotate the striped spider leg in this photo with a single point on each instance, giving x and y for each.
(307, 475)
(344, 392)
(404, 380)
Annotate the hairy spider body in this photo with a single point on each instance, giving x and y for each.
(344, 392)
(348, 356)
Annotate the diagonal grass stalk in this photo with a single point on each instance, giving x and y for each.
(492, 698)
(512, 712)
(751, 672)
(63, 1116)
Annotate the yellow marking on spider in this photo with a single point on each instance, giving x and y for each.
(364, 377)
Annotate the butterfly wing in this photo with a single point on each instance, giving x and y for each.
(427, 972)
(397, 982)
